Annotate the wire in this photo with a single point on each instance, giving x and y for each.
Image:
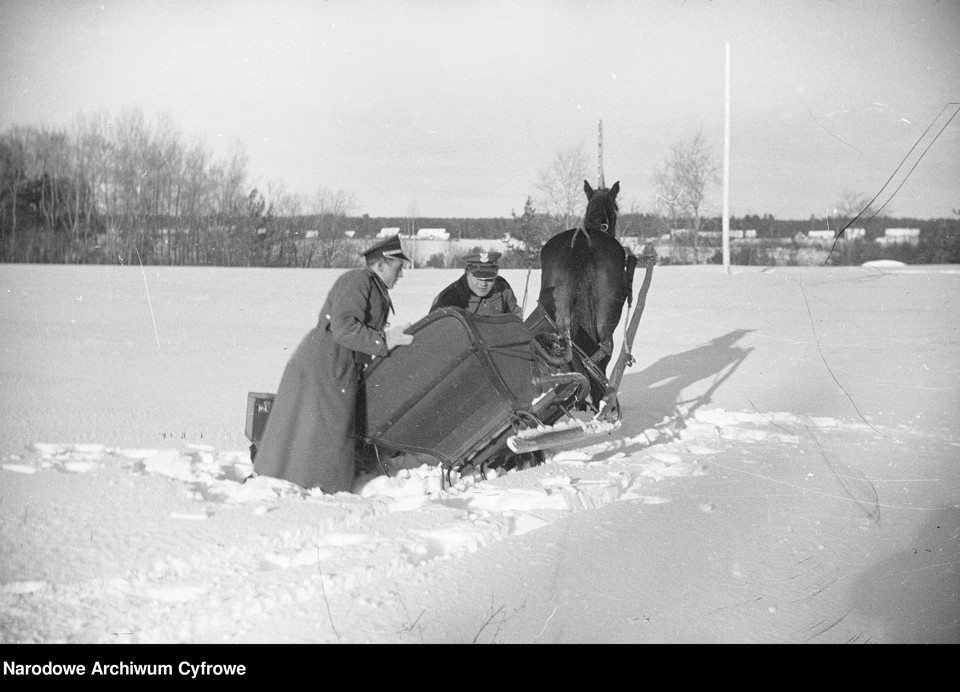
(892, 175)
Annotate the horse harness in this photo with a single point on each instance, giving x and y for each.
(586, 234)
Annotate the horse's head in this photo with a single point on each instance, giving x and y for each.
(602, 209)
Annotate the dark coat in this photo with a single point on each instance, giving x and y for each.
(310, 435)
(499, 301)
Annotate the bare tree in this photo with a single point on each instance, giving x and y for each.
(331, 209)
(194, 198)
(285, 223)
(561, 187)
(854, 204)
(119, 190)
(682, 183)
(13, 185)
(91, 139)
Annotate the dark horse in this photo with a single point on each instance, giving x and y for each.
(586, 277)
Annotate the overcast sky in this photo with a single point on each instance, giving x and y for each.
(452, 108)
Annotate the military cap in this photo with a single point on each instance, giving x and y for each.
(389, 248)
(483, 265)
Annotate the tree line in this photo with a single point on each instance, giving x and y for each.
(123, 190)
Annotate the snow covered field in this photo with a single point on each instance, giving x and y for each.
(788, 470)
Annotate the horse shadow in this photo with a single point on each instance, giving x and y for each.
(658, 396)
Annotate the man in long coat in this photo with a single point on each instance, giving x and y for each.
(480, 290)
(311, 432)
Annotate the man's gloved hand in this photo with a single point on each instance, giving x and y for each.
(395, 337)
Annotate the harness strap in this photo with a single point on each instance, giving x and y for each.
(576, 232)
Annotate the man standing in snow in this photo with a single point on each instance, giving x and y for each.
(311, 433)
(480, 290)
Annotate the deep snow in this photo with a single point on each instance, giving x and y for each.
(786, 472)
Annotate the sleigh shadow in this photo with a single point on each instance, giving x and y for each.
(663, 390)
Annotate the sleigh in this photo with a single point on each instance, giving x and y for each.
(479, 392)
(469, 385)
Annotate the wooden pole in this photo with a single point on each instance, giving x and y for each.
(626, 356)
(600, 183)
(726, 163)
(523, 307)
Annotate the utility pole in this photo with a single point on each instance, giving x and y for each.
(726, 163)
(600, 183)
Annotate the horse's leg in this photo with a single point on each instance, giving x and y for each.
(564, 298)
(606, 314)
(563, 335)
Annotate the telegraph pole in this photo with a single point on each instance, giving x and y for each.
(600, 183)
(726, 163)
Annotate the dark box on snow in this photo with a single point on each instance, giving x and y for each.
(258, 410)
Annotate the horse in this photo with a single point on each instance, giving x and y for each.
(586, 275)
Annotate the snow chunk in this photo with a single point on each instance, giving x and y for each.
(517, 499)
(169, 462)
(573, 455)
(525, 523)
(304, 558)
(78, 466)
(341, 539)
(49, 450)
(196, 516)
(408, 483)
(883, 263)
(701, 450)
(176, 594)
(667, 458)
(137, 453)
(644, 499)
(745, 434)
(260, 488)
(19, 468)
(555, 481)
(456, 540)
(22, 587)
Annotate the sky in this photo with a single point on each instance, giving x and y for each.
(454, 109)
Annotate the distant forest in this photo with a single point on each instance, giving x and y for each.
(123, 192)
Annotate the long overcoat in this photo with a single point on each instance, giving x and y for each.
(499, 301)
(310, 435)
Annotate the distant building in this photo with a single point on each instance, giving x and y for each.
(900, 236)
(433, 234)
(829, 236)
(311, 234)
(349, 234)
(387, 232)
(735, 234)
